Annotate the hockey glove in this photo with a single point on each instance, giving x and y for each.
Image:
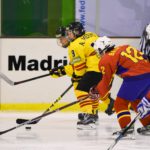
(75, 78)
(58, 72)
(93, 93)
(144, 108)
(110, 108)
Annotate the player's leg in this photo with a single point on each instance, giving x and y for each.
(123, 115)
(88, 107)
(88, 103)
(122, 111)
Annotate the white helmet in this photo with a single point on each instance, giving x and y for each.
(103, 44)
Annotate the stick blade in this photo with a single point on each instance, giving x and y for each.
(6, 79)
(20, 121)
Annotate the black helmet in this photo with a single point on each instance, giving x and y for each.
(61, 34)
(61, 31)
(77, 28)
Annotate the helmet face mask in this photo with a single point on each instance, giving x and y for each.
(102, 45)
(63, 42)
(62, 39)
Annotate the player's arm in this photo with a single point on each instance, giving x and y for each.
(105, 84)
(101, 90)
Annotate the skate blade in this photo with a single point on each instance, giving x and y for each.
(87, 127)
(144, 133)
(126, 137)
(97, 123)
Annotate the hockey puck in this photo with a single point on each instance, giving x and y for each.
(28, 128)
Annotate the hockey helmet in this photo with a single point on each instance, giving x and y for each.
(61, 31)
(102, 45)
(62, 39)
(76, 28)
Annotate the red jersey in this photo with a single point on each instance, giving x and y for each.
(125, 61)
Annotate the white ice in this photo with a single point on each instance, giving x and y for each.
(58, 132)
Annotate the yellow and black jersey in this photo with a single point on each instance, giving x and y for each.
(83, 57)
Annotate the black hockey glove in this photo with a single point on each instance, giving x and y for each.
(110, 109)
(58, 72)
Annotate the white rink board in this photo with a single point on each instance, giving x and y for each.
(42, 90)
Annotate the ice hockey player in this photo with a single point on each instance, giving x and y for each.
(131, 65)
(83, 70)
(145, 41)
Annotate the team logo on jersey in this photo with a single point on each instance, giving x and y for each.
(75, 60)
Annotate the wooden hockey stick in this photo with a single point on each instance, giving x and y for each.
(124, 132)
(20, 121)
(43, 115)
(10, 82)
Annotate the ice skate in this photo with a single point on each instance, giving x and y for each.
(88, 122)
(81, 117)
(144, 130)
(130, 134)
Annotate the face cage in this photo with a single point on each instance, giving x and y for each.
(59, 43)
(106, 49)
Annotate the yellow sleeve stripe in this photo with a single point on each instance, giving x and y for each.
(123, 117)
(122, 111)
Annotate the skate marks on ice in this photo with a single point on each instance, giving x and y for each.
(58, 132)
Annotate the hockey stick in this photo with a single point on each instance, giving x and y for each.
(124, 132)
(20, 121)
(10, 82)
(43, 115)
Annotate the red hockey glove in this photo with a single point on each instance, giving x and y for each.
(93, 93)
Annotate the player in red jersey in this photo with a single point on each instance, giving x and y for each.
(130, 64)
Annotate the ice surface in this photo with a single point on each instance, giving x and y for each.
(58, 132)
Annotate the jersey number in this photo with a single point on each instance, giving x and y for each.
(132, 54)
(102, 69)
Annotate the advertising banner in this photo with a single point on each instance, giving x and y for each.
(27, 58)
(117, 18)
(22, 59)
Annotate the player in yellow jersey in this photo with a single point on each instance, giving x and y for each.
(83, 69)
